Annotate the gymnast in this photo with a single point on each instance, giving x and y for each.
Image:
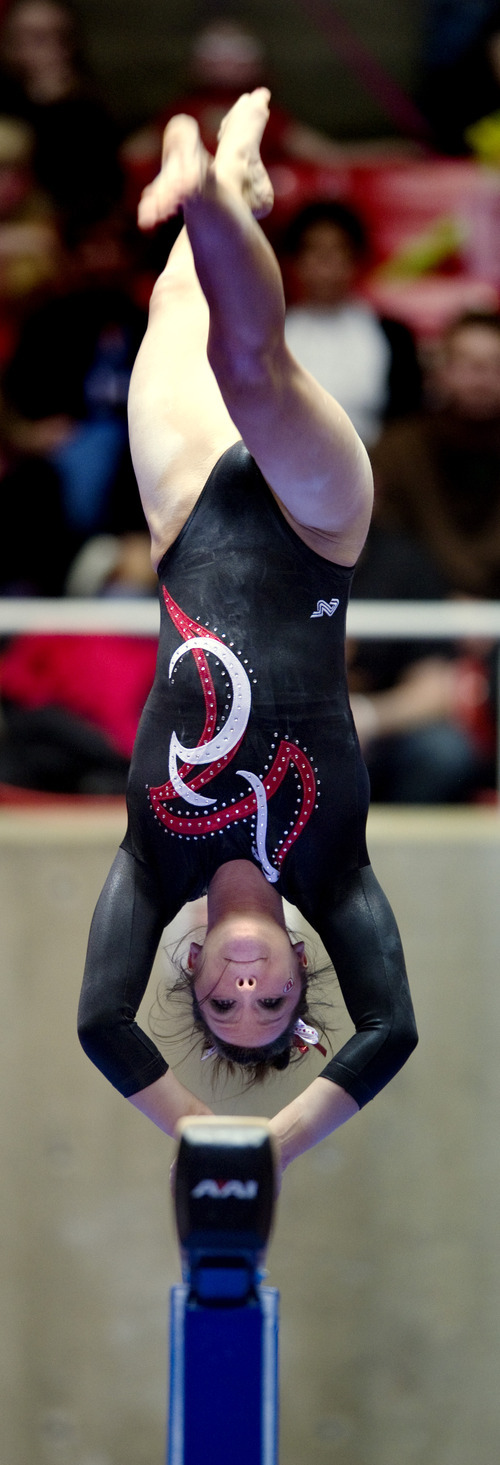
(246, 782)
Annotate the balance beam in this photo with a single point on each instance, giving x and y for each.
(223, 1322)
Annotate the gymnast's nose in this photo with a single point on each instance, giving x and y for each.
(245, 983)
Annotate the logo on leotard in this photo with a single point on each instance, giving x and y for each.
(324, 609)
(192, 768)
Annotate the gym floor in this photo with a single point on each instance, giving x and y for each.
(385, 1250)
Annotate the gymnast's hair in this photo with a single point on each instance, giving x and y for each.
(228, 1058)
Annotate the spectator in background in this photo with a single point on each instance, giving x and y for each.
(70, 704)
(65, 389)
(430, 724)
(437, 474)
(45, 81)
(36, 546)
(367, 362)
(422, 711)
(30, 262)
(29, 237)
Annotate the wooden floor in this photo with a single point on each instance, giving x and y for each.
(387, 1243)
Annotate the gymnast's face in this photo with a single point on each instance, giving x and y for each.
(248, 978)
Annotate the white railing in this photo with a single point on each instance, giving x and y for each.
(370, 619)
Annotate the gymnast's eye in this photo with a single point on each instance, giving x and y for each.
(271, 1003)
(220, 1004)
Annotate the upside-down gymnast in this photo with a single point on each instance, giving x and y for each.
(246, 781)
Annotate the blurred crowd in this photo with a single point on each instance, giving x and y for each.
(75, 279)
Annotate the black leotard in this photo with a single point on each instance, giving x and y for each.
(247, 750)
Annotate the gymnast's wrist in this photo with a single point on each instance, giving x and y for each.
(287, 1130)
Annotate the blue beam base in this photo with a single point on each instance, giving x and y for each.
(223, 1380)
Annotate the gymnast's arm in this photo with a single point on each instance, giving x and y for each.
(361, 937)
(124, 937)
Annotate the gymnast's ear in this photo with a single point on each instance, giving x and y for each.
(300, 952)
(194, 952)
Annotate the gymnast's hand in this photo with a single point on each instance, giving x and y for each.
(278, 1169)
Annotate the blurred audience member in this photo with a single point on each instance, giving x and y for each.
(367, 362)
(226, 58)
(70, 704)
(438, 474)
(29, 237)
(65, 389)
(45, 80)
(423, 713)
(36, 545)
(114, 566)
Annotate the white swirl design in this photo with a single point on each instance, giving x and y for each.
(260, 834)
(229, 734)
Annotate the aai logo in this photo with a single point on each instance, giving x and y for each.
(226, 1189)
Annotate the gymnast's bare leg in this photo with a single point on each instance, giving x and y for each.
(214, 365)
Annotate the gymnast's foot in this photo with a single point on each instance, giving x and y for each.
(183, 174)
(188, 171)
(238, 163)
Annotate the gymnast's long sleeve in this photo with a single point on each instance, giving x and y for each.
(362, 939)
(124, 938)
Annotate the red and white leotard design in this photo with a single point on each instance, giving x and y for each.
(193, 769)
